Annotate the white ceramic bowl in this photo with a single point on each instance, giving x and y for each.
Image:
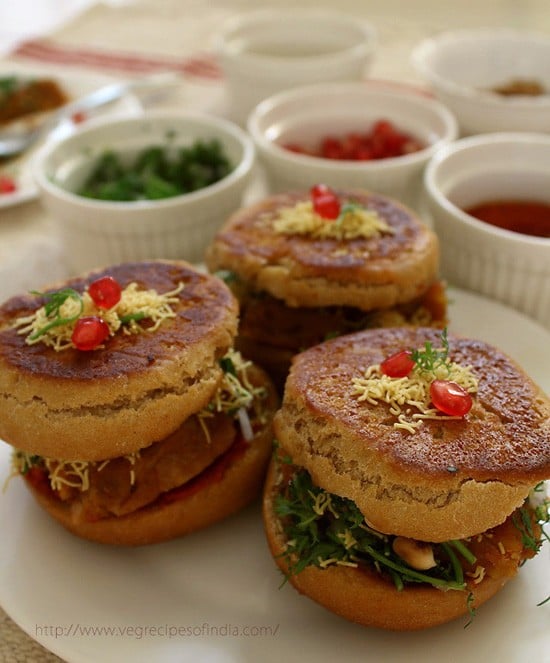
(506, 265)
(97, 232)
(268, 50)
(307, 114)
(463, 66)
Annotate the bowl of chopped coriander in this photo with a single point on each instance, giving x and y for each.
(134, 188)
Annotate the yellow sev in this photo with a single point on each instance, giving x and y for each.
(409, 397)
(354, 222)
(147, 304)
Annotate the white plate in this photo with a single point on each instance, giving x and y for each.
(75, 85)
(225, 579)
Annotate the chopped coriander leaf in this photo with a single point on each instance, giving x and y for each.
(157, 172)
(136, 317)
(227, 276)
(323, 529)
(7, 85)
(228, 366)
(471, 609)
(523, 521)
(52, 306)
(429, 359)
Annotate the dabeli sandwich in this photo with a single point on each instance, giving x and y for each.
(308, 266)
(133, 418)
(407, 486)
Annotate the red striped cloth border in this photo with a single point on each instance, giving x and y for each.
(197, 66)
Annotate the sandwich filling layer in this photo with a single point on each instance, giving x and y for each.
(119, 486)
(322, 529)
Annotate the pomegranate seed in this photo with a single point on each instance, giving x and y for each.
(7, 184)
(320, 190)
(327, 206)
(105, 292)
(325, 201)
(398, 365)
(381, 141)
(450, 398)
(89, 332)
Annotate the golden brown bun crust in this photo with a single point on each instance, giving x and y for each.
(297, 328)
(367, 273)
(134, 391)
(239, 485)
(367, 598)
(401, 481)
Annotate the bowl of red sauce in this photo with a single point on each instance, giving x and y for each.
(489, 199)
(369, 135)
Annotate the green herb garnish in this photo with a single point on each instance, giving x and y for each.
(157, 172)
(26, 461)
(132, 317)
(429, 359)
(347, 208)
(7, 85)
(472, 611)
(227, 276)
(322, 529)
(52, 306)
(523, 520)
(228, 366)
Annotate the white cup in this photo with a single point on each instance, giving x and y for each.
(509, 266)
(266, 51)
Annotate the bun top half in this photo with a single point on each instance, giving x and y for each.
(132, 391)
(366, 272)
(447, 479)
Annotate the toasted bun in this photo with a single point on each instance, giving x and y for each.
(366, 597)
(135, 390)
(228, 485)
(272, 346)
(378, 272)
(448, 479)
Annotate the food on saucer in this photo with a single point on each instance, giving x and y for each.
(133, 418)
(21, 97)
(307, 266)
(407, 487)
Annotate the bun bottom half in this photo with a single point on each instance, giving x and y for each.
(225, 487)
(366, 597)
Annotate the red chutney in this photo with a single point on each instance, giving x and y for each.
(211, 475)
(528, 217)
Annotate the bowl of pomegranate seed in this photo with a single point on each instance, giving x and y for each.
(493, 79)
(135, 188)
(489, 200)
(368, 135)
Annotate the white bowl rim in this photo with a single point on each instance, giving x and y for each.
(473, 142)
(405, 93)
(360, 47)
(95, 125)
(429, 45)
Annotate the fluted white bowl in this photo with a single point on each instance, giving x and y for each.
(509, 266)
